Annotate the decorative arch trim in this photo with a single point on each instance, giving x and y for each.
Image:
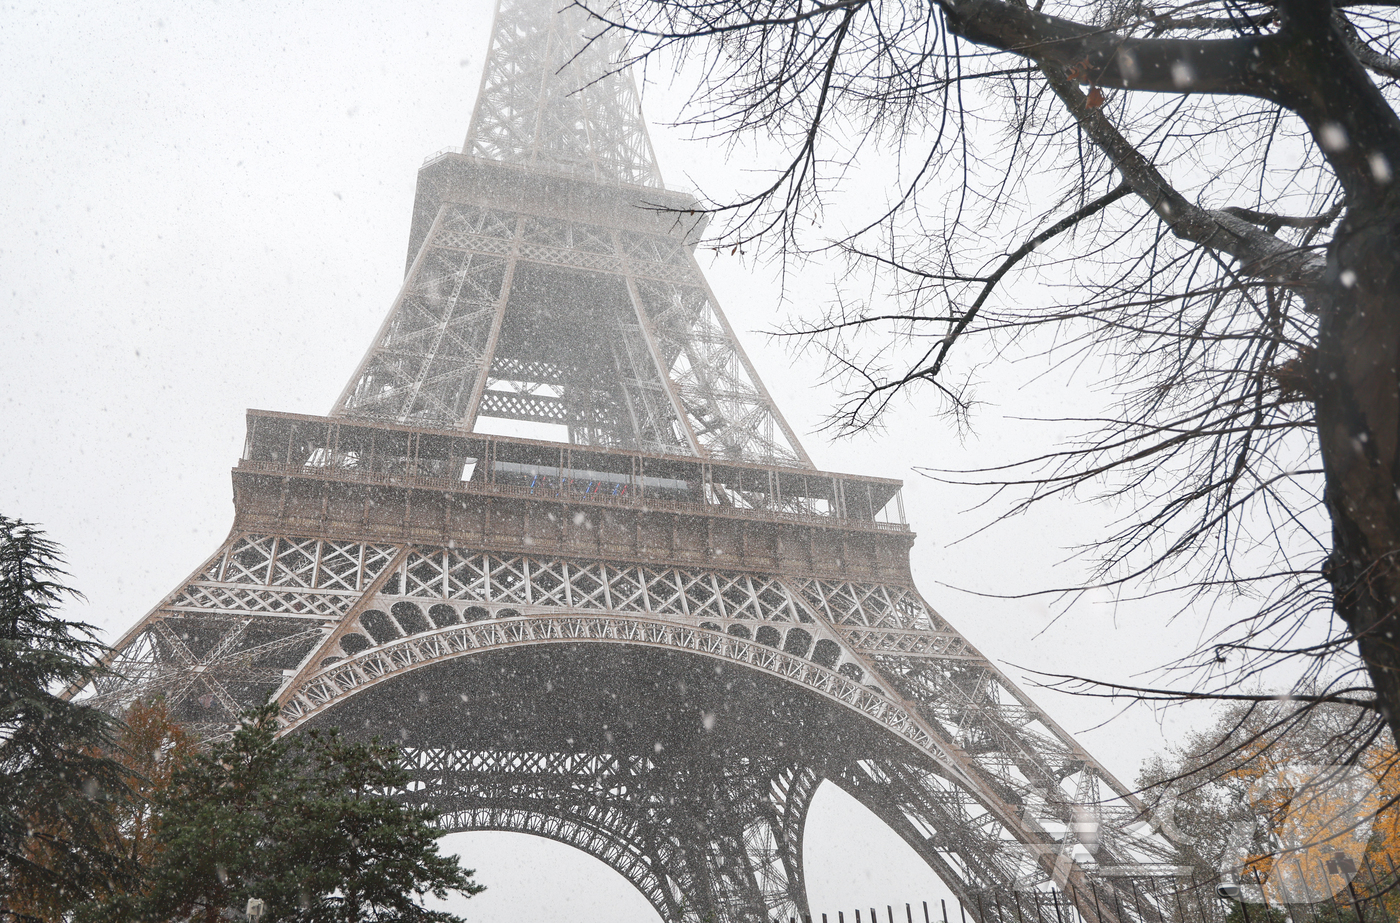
(342, 679)
(596, 841)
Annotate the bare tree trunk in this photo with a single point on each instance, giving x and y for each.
(1358, 422)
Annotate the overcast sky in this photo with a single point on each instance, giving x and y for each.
(205, 209)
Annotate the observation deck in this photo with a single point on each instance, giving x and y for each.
(324, 476)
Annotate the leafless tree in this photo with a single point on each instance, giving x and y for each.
(1215, 789)
(1287, 804)
(1214, 180)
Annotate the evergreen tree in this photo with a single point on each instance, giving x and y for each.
(303, 823)
(57, 790)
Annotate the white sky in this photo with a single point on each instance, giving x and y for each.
(204, 208)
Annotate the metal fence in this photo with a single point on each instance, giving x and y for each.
(1338, 893)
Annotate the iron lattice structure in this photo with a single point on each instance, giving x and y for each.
(651, 636)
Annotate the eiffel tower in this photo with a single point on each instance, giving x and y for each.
(651, 633)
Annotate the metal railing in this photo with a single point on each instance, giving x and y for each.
(636, 501)
(442, 153)
(1368, 892)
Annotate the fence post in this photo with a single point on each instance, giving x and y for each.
(1356, 903)
(1200, 904)
(1180, 911)
(1375, 885)
(1132, 883)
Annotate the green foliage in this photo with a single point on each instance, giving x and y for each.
(303, 823)
(57, 789)
(88, 805)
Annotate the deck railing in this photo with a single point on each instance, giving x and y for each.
(627, 500)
